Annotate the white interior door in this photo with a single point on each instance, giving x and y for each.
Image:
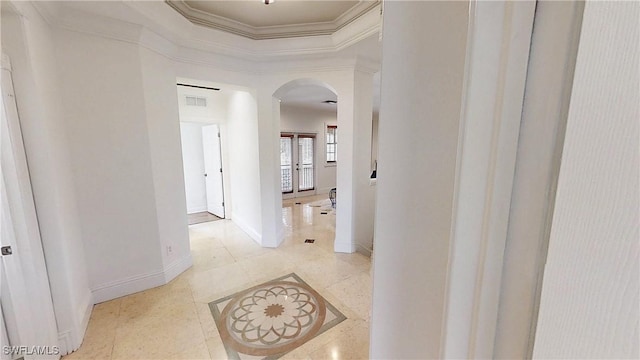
(4, 336)
(213, 170)
(27, 308)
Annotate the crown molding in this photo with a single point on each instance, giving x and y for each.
(221, 23)
(159, 18)
(178, 41)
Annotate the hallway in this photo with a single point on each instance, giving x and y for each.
(174, 321)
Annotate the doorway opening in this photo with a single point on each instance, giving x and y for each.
(201, 138)
(308, 118)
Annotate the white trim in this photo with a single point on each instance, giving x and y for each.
(242, 224)
(222, 23)
(70, 340)
(548, 91)
(136, 283)
(344, 247)
(127, 286)
(499, 38)
(31, 306)
(279, 238)
(177, 267)
(364, 250)
(65, 343)
(172, 35)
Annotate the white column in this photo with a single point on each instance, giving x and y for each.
(270, 192)
(422, 86)
(355, 198)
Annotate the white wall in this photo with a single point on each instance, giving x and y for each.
(590, 293)
(215, 112)
(302, 119)
(112, 155)
(161, 109)
(244, 167)
(106, 121)
(193, 158)
(30, 45)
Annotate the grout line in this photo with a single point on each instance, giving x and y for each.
(115, 331)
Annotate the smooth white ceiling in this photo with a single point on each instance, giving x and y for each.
(313, 96)
(309, 95)
(281, 12)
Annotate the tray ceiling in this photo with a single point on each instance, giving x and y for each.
(281, 19)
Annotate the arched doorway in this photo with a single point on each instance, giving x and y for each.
(308, 138)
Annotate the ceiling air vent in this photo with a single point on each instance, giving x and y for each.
(196, 101)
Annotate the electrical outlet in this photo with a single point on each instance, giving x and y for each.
(169, 250)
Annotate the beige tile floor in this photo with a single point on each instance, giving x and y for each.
(173, 321)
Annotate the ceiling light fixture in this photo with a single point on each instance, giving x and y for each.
(267, 2)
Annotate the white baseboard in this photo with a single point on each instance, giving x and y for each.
(257, 237)
(342, 247)
(274, 243)
(137, 283)
(363, 250)
(280, 236)
(130, 285)
(65, 343)
(141, 282)
(177, 267)
(196, 209)
(70, 340)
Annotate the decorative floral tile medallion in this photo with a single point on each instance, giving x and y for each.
(269, 320)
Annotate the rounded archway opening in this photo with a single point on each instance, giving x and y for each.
(307, 116)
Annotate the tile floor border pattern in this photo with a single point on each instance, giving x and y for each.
(233, 353)
(202, 217)
(174, 321)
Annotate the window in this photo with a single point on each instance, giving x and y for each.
(332, 143)
(305, 162)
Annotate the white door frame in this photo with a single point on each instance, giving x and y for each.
(29, 293)
(215, 206)
(497, 67)
(498, 42)
(545, 111)
(295, 158)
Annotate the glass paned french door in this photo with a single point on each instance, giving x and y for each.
(297, 168)
(286, 162)
(305, 162)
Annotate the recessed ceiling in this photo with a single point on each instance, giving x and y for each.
(281, 19)
(283, 12)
